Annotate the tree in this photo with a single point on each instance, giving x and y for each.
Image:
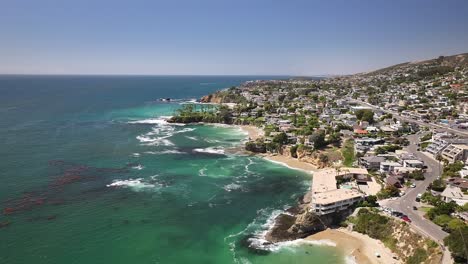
(323, 158)
(293, 151)
(417, 175)
(457, 244)
(438, 185)
(318, 139)
(281, 139)
(365, 115)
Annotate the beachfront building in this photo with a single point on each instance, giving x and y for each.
(327, 198)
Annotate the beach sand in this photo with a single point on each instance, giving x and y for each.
(361, 247)
(291, 163)
(252, 131)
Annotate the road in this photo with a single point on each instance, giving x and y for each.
(405, 203)
(410, 120)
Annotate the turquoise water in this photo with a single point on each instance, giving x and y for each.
(91, 174)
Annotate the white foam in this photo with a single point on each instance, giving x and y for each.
(201, 172)
(350, 259)
(169, 151)
(134, 184)
(192, 138)
(162, 121)
(136, 154)
(286, 165)
(155, 141)
(298, 242)
(211, 150)
(251, 162)
(232, 186)
(138, 167)
(191, 101)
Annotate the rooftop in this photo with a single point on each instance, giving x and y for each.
(335, 196)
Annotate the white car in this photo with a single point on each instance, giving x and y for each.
(413, 185)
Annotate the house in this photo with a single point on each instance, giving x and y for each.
(394, 181)
(388, 166)
(413, 163)
(455, 152)
(454, 193)
(459, 182)
(371, 162)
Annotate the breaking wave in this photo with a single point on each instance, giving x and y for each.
(134, 184)
(210, 150)
(232, 186)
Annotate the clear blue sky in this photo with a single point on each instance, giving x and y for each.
(226, 37)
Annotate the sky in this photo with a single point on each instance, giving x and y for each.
(226, 37)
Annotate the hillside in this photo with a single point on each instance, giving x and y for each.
(453, 61)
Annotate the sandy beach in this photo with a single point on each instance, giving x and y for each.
(360, 247)
(252, 131)
(291, 163)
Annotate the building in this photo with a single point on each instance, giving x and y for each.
(389, 166)
(371, 162)
(413, 163)
(455, 152)
(454, 193)
(326, 198)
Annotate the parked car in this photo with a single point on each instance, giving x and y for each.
(406, 219)
(397, 214)
(413, 185)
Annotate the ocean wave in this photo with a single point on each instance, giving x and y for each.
(201, 172)
(134, 184)
(138, 167)
(258, 240)
(232, 186)
(136, 154)
(210, 150)
(350, 259)
(158, 136)
(169, 151)
(158, 141)
(192, 138)
(190, 101)
(150, 121)
(209, 140)
(251, 162)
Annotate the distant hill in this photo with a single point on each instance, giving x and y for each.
(446, 61)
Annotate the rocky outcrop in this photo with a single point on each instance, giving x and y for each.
(212, 98)
(298, 222)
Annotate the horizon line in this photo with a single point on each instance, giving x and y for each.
(161, 75)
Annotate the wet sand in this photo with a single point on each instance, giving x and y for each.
(361, 248)
(291, 163)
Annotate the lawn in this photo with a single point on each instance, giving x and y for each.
(347, 151)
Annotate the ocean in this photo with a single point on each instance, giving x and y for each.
(91, 173)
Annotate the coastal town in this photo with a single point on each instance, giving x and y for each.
(393, 141)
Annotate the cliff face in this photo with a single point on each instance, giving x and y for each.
(305, 156)
(300, 223)
(212, 98)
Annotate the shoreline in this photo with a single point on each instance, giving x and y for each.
(291, 163)
(361, 248)
(254, 133)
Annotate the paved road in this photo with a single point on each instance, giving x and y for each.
(405, 203)
(410, 120)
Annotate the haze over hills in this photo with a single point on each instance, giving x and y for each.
(444, 61)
